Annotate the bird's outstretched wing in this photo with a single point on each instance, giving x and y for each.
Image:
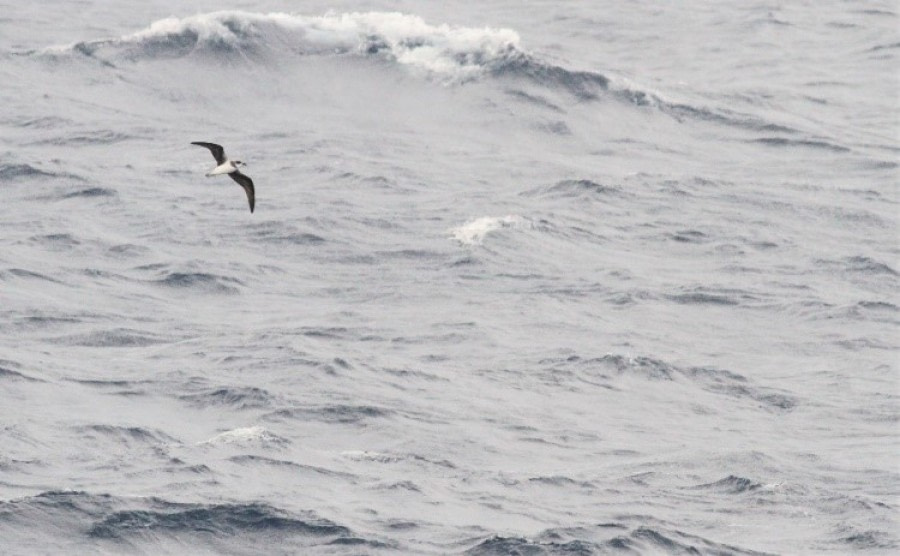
(247, 184)
(217, 151)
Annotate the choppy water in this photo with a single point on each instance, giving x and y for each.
(523, 278)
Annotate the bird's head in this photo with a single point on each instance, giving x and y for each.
(238, 163)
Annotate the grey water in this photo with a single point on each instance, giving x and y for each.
(523, 278)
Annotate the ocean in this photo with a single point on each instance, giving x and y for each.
(522, 278)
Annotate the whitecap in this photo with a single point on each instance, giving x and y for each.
(474, 232)
(246, 435)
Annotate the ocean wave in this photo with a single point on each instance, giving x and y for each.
(331, 413)
(689, 236)
(247, 436)
(27, 274)
(869, 540)
(858, 264)
(807, 143)
(221, 520)
(724, 297)
(534, 99)
(574, 188)
(585, 85)
(42, 122)
(720, 381)
(98, 137)
(125, 250)
(868, 265)
(90, 192)
(390, 458)
(65, 241)
(142, 522)
(561, 481)
(502, 546)
(713, 380)
(704, 298)
(406, 39)
(117, 337)
(235, 397)
(200, 282)
(10, 172)
(591, 85)
(878, 306)
(288, 466)
(10, 374)
(451, 53)
(126, 435)
(603, 539)
(44, 322)
(96, 383)
(731, 485)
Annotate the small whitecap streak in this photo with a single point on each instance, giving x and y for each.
(474, 232)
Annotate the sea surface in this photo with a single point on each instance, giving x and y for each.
(544, 277)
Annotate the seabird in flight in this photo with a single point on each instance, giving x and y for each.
(230, 167)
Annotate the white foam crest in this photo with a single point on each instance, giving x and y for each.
(443, 49)
(474, 232)
(245, 435)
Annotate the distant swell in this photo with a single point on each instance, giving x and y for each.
(806, 143)
(118, 337)
(125, 434)
(859, 264)
(147, 520)
(716, 381)
(98, 137)
(91, 192)
(606, 538)
(9, 374)
(331, 413)
(575, 188)
(10, 172)
(224, 519)
(723, 297)
(732, 485)
(235, 397)
(200, 281)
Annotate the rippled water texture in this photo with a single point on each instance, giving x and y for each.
(523, 278)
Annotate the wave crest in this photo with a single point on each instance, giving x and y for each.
(406, 39)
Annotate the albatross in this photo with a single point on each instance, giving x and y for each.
(231, 167)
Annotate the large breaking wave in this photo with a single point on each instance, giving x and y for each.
(451, 54)
(457, 52)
